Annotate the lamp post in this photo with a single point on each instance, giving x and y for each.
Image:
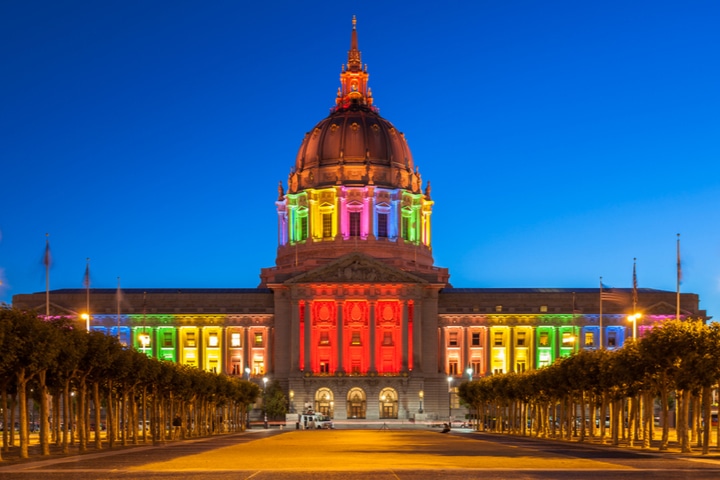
(450, 379)
(247, 373)
(422, 395)
(634, 319)
(469, 371)
(86, 317)
(265, 380)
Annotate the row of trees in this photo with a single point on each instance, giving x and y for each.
(71, 373)
(677, 363)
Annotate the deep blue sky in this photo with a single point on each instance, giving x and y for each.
(562, 138)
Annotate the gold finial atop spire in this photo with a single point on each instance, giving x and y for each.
(354, 53)
(353, 78)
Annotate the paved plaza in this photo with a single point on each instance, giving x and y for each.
(376, 454)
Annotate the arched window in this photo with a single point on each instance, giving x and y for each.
(388, 403)
(356, 402)
(324, 402)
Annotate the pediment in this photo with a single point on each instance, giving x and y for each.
(663, 308)
(355, 268)
(55, 310)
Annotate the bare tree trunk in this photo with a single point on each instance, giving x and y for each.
(22, 398)
(685, 411)
(110, 415)
(44, 414)
(96, 401)
(665, 409)
(707, 422)
(56, 418)
(4, 406)
(647, 419)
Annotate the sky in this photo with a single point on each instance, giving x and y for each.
(562, 139)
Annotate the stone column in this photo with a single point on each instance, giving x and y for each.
(268, 349)
(467, 338)
(404, 333)
(340, 347)
(308, 331)
(373, 325)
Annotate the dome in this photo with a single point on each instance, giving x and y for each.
(354, 146)
(353, 188)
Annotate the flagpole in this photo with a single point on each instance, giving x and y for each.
(46, 261)
(634, 292)
(679, 275)
(601, 317)
(118, 309)
(87, 293)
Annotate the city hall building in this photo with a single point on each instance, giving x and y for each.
(355, 320)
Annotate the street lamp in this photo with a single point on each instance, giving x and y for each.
(450, 379)
(422, 395)
(634, 319)
(469, 371)
(265, 380)
(86, 317)
(247, 372)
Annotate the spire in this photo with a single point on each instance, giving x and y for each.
(353, 78)
(354, 62)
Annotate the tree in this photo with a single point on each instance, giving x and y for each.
(274, 401)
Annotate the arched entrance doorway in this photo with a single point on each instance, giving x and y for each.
(356, 402)
(324, 402)
(388, 403)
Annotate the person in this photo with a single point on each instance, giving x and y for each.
(177, 425)
(446, 428)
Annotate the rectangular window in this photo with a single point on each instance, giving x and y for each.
(520, 366)
(324, 366)
(354, 224)
(324, 338)
(387, 338)
(476, 366)
(235, 363)
(453, 367)
(520, 339)
(190, 339)
(544, 339)
(406, 228)
(213, 340)
(355, 338)
(355, 367)
(327, 225)
(259, 339)
(167, 340)
(499, 341)
(612, 338)
(303, 228)
(235, 340)
(498, 308)
(476, 339)
(543, 308)
(568, 339)
(453, 339)
(589, 339)
(382, 225)
(258, 366)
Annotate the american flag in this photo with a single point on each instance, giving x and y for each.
(612, 295)
(86, 278)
